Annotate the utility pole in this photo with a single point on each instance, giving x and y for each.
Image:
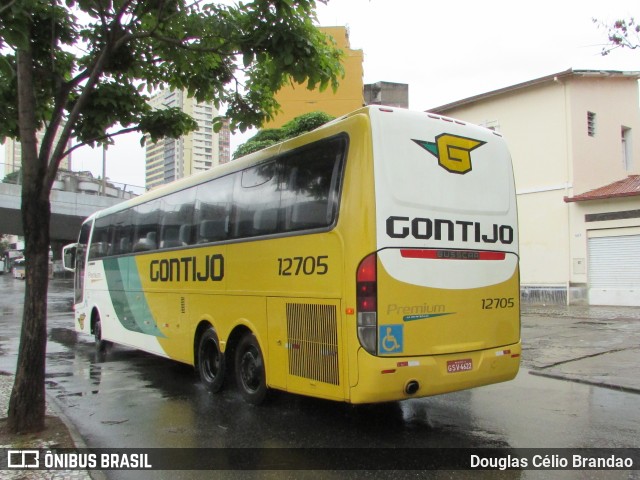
(104, 169)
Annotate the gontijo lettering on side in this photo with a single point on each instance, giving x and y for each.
(187, 269)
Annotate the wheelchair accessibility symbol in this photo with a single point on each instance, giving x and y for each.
(391, 338)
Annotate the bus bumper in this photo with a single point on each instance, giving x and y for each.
(386, 379)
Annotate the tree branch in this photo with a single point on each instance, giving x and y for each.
(103, 137)
(8, 6)
(94, 75)
(180, 43)
(60, 102)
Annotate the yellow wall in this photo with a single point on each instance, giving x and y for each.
(296, 100)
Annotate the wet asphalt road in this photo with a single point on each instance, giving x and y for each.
(132, 399)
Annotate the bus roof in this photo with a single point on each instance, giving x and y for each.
(254, 158)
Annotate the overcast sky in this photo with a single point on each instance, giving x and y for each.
(451, 50)
(445, 51)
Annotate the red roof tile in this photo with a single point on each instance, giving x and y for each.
(629, 187)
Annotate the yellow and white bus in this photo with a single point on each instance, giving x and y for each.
(374, 259)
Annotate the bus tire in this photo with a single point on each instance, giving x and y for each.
(211, 362)
(101, 345)
(250, 371)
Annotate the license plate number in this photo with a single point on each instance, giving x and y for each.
(462, 365)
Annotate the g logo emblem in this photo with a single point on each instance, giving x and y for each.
(453, 152)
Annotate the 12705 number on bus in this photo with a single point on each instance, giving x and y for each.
(496, 303)
(289, 266)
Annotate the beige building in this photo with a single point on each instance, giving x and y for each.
(576, 153)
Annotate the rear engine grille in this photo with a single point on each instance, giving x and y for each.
(313, 342)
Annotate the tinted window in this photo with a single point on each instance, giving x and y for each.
(213, 209)
(257, 202)
(298, 191)
(100, 243)
(80, 261)
(311, 185)
(176, 229)
(145, 226)
(121, 231)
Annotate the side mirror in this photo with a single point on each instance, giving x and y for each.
(69, 257)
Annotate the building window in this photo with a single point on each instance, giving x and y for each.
(627, 162)
(591, 124)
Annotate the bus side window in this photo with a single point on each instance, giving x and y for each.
(257, 199)
(176, 219)
(170, 238)
(212, 230)
(85, 230)
(125, 245)
(310, 214)
(185, 235)
(100, 239)
(146, 243)
(213, 209)
(120, 232)
(265, 221)
(145, 220)
(310, 184)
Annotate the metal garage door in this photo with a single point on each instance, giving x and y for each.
(614, 270)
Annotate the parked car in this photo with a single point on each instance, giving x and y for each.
(19, 269)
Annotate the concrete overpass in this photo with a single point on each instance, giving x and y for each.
(68, 210)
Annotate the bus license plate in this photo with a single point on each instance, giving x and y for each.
(462, 365)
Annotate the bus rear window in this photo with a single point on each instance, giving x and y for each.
(298, 191)
(310, 185)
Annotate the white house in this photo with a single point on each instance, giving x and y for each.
(577, 172)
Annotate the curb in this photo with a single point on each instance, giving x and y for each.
(56, 408)
(53, 408)
(557, 376)
(78, 441)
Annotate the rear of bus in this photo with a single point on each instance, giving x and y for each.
(438, 298)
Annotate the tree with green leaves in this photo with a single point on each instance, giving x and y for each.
(85, 69)
(270, 136)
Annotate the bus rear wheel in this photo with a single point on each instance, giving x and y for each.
(250, 372)
(210, 361)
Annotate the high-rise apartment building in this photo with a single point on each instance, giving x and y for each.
(170, 159)
(13, 153)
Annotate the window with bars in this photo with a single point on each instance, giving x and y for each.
(591, 124)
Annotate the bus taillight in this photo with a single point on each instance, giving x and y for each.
(366, 296)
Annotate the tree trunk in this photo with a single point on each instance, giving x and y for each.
(27, 403)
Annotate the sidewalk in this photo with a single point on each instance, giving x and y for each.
(58, 434)
(592, 345)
